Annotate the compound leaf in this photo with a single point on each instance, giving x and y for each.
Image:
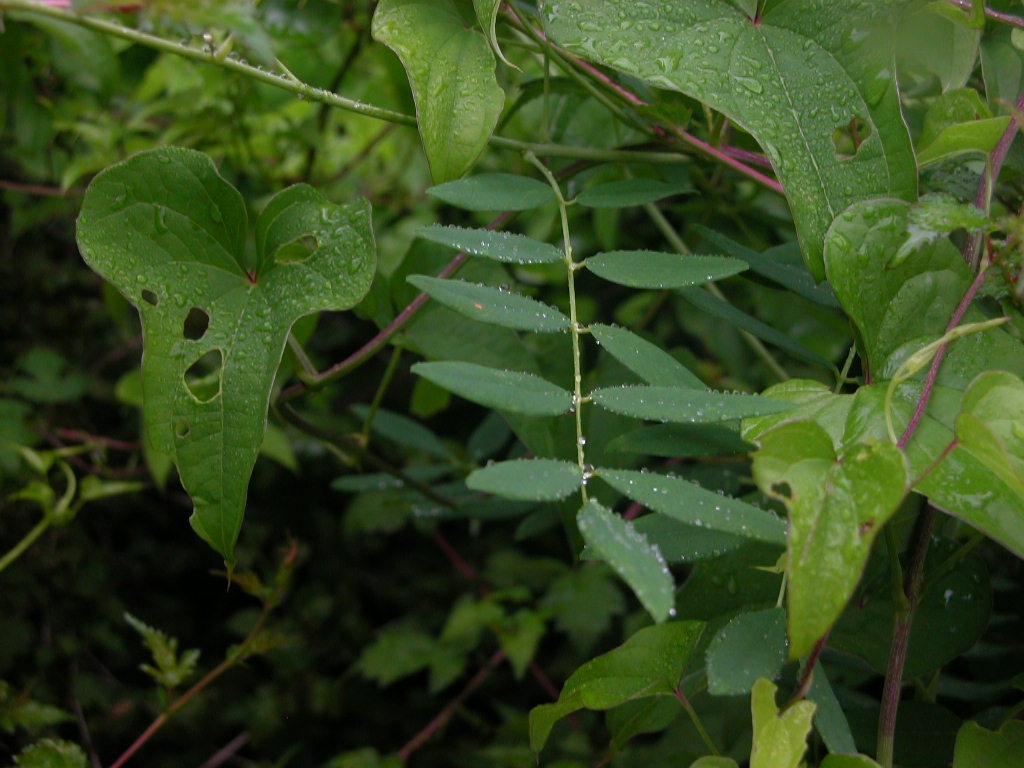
(648, 361)
(683, 405)
(492, 305)
(500, 246)
(528, 479)
(514, 391)
(652, 269)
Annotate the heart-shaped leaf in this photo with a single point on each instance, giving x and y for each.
(169, 232)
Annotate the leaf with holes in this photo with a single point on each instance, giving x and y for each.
(451, 71)
(650, 663)
(628, 552)
(689, 503)
(648, 361)
(682, 405)
(169, 232)
(505, 390)
(793, 80)
(492, 305)
(651, 269)
(500, 246)
(837, 505)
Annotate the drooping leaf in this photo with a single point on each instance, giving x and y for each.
(506, 390)
(749, 647)
(493, 192)
(716, 307)
(651, 269)
(681, 440)
(169, 233)
(528, 479)
(837, 505)
(501, 246)
(630, 555)
(628, 192)
(650, 663)
(648, 361)
(689, 503)
(682, 405)
(492, 305)
(978, 747)
(791, 80)
(451, 71)
(780, 738)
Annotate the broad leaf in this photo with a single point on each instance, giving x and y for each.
(837, 505)
(689, 503)
(528, 479)
(501, 246)
(682, 405)
(493, 192)
(505, 390)
(628, 192)
(978, 747)
(780, 738)
(451, 70)
(648, 361)
(650, 663)
(170, 233)
(791, 80)
(628, 552)
(750, 646)
(651, 269)
(492, 305)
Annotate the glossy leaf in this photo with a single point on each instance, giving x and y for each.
(650, 663)
(500, 246)
(681, 440)
(978, 747)
(169, 233)
(689, 503)
(989, 427)
(487, 15)
(628, 192)
(682, 405)
(652, 269)
(646, 360)
(451, 71)
(505, 390)
(791, 80)
(630, 555)
(494, 192)
(780, 738)
(976, 136)
(837, 505)
(528, 479)
(750, 646)
(492, 305)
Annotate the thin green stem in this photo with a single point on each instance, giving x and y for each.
(574, 326)
(697, 724)
(26, 541)
(378, 396)
(755, 344)
(306, 365)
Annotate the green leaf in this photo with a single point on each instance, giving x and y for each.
(933, 216)
(683, 543)
(640, 565)
(487, 15)
(492, 305)
(451, 71)
(650, 715)
(749, 647)
(650, 663)
(47, 378)
(506, 390)
(711, 761)
(829, 717)
(494, 192)
(791, 80)
(169, 232)
(528, 479)
(780, 739)
(989, 427)
(651, 269)
(723, 310)
(848, 761)
(171, 670)
(837, 505)
(689, 503)
(403, 431)
(648, 361)
(975, 136)
(978, 747)
(583, 603)
(682, 405)
(628, 192)
(51, 753)
(501, 246)
(681, 440)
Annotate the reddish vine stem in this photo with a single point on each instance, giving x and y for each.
(991, 13)
(803, 684)
(933, 370)
(38, 189)
(445, 714)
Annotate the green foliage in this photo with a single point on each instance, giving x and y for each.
(172, 669)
